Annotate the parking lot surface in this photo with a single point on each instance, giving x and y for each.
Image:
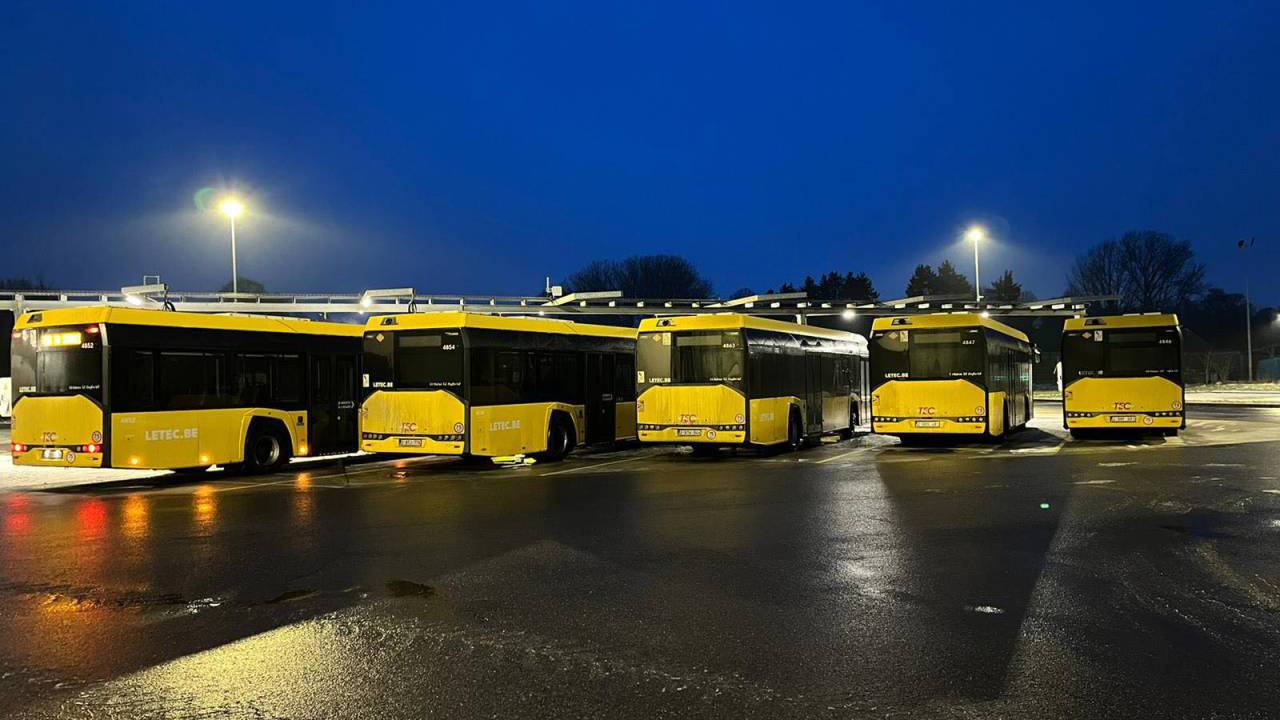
(1039, 577)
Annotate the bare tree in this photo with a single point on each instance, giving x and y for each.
(1149, 270)
(643, 276)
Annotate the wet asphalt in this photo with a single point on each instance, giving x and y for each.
(856, 579)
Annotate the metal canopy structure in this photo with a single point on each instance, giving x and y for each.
(374, 302)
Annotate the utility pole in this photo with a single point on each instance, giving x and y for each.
(1248, 313)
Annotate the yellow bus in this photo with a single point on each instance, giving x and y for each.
(1123, 372)
(731, 380)
(137, 388)
(949, 374)
(457, 383)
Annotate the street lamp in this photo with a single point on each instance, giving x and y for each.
(232, 207)
(976, 234)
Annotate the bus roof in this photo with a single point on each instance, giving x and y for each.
(738, 321)
(514, 323)
(170, 318)
(946, 320)
(1122, 321)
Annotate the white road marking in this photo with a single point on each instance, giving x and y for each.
(592, 467)
(842, 455)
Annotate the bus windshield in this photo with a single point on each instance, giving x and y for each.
(704, 356)
(929, 355)
(1121, 353)
(58, 361)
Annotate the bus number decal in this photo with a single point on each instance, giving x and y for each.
(505, 425)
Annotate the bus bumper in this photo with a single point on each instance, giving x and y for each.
(1124, 420)
(928, 426)
(412, 444)
(56, 457)
(691, 435)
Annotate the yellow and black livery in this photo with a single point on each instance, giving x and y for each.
(122, 387)
(949, 374)
(459, 383)
(728, 379)
(1123, 373)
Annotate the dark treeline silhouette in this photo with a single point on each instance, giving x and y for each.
(834, 286)
(642, 276)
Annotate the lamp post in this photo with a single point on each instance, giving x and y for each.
(1248, 314)
(233, 208)
(976, 234)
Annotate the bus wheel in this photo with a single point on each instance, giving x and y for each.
(560, 439)
(795, 432)
(266, 449)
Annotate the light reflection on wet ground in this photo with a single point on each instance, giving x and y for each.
(853, 578)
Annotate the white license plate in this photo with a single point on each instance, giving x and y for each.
(928, 423)
(689, 432)
(51, 454)
(1124, 418)
(410, 442)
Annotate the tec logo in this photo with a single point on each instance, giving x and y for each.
(928, 410)
(1124, 405)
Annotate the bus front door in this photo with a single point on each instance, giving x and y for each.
(601, 405)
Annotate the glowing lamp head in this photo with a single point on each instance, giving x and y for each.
(976, 234)
(849, 314)
(232, 207)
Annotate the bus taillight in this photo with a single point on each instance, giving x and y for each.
(92, 329)
(19, 448)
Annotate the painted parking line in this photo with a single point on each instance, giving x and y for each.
(838, 457)
(592, 467)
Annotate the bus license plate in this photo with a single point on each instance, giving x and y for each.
(410, 442)
(51, 454)
(928, 423)
(689, 432)
(1124, 418)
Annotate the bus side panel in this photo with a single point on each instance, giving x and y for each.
(624, 421)
(498, 430)
(928, 406)
(40, 422)
(412, 421)
(193, 438)
(769, 418)
(1123, 403)
(703, 412)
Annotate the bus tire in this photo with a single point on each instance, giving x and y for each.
(560, 437)
(795, 430)
(266, 448)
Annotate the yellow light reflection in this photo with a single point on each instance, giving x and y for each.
(206, 507)
(137, 519)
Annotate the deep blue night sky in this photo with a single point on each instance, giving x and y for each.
(475, 147)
